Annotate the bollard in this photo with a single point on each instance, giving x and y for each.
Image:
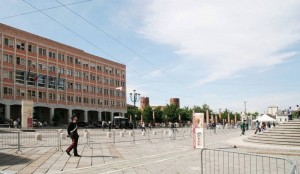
(124, 130)
(60, 136)
(19, 142)
(130, 133)
(133, 137)
(121, 134)
(38, 136)
(154, 133)
(143, 133)
(108, 134)
(114, 137)
(166, 132)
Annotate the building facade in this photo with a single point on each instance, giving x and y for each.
(175, 101)
(58, 78)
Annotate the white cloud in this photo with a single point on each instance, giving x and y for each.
(225, 36)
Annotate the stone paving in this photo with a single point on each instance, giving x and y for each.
(158, 156)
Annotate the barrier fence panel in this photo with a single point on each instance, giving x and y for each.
(215, 161)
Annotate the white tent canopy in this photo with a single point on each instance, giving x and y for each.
(265, 118)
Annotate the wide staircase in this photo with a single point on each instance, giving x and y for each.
(283, 134)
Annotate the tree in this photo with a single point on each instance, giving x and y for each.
(185, 113)
(147, 114)
(158, 114)
(170, 113)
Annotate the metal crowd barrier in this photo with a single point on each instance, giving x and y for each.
(217, 161)
(19, 139)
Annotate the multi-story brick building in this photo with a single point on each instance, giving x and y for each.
(58, 78)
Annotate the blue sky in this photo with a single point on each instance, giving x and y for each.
(216, 52)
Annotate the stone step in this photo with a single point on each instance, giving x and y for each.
(270, 139)
(273, 143)
(277, 135)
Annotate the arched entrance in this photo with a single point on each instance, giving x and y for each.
(92, 116)
(106, 116)
(63, 115)
(79, 114)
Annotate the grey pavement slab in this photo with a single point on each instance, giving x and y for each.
(155, 156)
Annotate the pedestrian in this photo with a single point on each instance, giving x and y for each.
(109, 126)
(269, 125)
(297, 110)
(73, 134)
(143, 127)
(263, 126)
(150, 126)
(243, 127)
(103, 125)
(273, 124)
(15, 124)
(290, 113)
(257, 127)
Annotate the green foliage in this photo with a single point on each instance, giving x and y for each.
(158, 114)
(147, 114)
(185, 113)
(170, 113)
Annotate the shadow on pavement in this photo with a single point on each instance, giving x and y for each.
(12, 159)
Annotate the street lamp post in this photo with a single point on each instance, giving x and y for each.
(134, 97)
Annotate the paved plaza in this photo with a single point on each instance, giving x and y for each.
(155, 155)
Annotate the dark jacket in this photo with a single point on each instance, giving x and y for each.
(72, 129)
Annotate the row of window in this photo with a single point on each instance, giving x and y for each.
(32, 94)
(32, 79)
(70, 59)
(52, 69)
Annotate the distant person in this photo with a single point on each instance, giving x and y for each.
(243, 127)
(103, 125)
(150, 126)
(257, 126)
(143, 127)
(297, 110)
(16, 124)
(109, 126)
(289, 112)
(269, 125)
(263, 126)
(73, 134)
(273, 124)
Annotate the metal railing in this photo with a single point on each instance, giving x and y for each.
(219, 161)
(19, 139)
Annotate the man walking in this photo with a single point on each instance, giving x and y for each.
(72, 132)
(257, 126)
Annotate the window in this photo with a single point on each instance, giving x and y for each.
(61, 97)
(61, 70)
(92, 77)
(51, 68)
(106, 80)
(31, 94)
(61, 57)
(99, 68)
(99, 79)
(85, 64)
(105, 91)
(8, 42)
(20, 92)
(20, 77)
(70, 85)
(8, 74)
(77, 73)
(8, 58)
(42, 95)
(70, 98)
(20, 61)
(99, 102)
(31, 63)
(69, 72)
(7, 91)
(85, 100)
(20, 45)
(85, 88)
(78, 99)
(51, 82)
(32, 48)
(51, 54)
(93, 89)
(93, 101)
(86, 75)
(42, 51)
(106, 102)
(41, 80)
(99, 90)
(77, 61)
(70, 59)
(112, 92)
(78, 86)
(52, 96)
